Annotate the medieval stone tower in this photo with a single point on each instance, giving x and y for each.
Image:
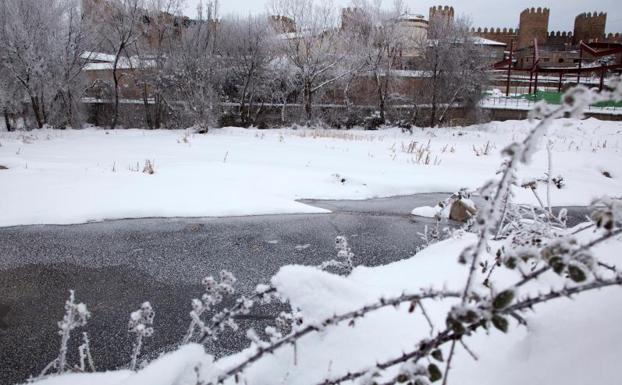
(90, 6)
(438, 17)
(351, 17)
(589, 27)
(283, 24)
(534, 24)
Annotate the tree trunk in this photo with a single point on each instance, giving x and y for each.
(115, 106)
(146, 105)
(243, 113)
(115, 78)
(36, 110)
(158, 107)
(70, 115)
(308, 103)
(380, 95)
(346, 95)
(7, 121)
(42, 107)
(283, 110)
(433, 111)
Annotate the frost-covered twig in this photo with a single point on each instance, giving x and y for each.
(426, 347)
(215, 292)
(85, 354)
(140, 324)
(269, 348)
(345, 257)
(226, 317)
(76, 315)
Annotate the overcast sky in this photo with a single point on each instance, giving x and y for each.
(483, 13)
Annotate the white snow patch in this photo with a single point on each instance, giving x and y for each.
(66, 177)
(428, 211)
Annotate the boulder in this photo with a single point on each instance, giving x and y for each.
(462, 210)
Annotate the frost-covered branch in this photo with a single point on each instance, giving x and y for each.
(454, 334)
(352, 316)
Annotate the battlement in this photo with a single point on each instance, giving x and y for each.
(535, 11)
(502, 35)
(280, 18)
(591, 16)
(553, 34)
(350, 16)
(499, 31)
(283, 24)
(590, 26)
(439, 15)
(439, 9)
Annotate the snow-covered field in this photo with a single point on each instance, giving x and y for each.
(76, 176)
(65, 177)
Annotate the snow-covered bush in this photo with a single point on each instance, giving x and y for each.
(374, 121)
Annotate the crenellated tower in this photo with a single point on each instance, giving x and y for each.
(351, 17)
(439, 16)
(589, 27)
(283, 24)
(534, 24)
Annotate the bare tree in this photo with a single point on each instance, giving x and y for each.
(11, 96)
(27, 52)
(246, 49)
(454, 66)
(120, 31)
(74, 55)
(314, 49)
(196, 70)
(375, 40)
(162, 24)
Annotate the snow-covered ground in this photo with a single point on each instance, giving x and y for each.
(570, 342)
(65, 177)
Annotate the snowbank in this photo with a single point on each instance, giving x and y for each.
(567, 342)
(428, 212)
(65, 177)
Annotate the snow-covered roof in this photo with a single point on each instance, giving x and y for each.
(411, 17)
(98, 56)
(403, 73)
(98, 61)
(484, 41)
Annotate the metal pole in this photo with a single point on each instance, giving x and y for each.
(507, 89)
(580, 62)
(559, 87)
(535, 88)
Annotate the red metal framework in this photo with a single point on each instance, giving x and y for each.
(594, 50)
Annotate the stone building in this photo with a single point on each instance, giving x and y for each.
(590, 27)
(534, 24)
(438, 16)
(555, 48)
